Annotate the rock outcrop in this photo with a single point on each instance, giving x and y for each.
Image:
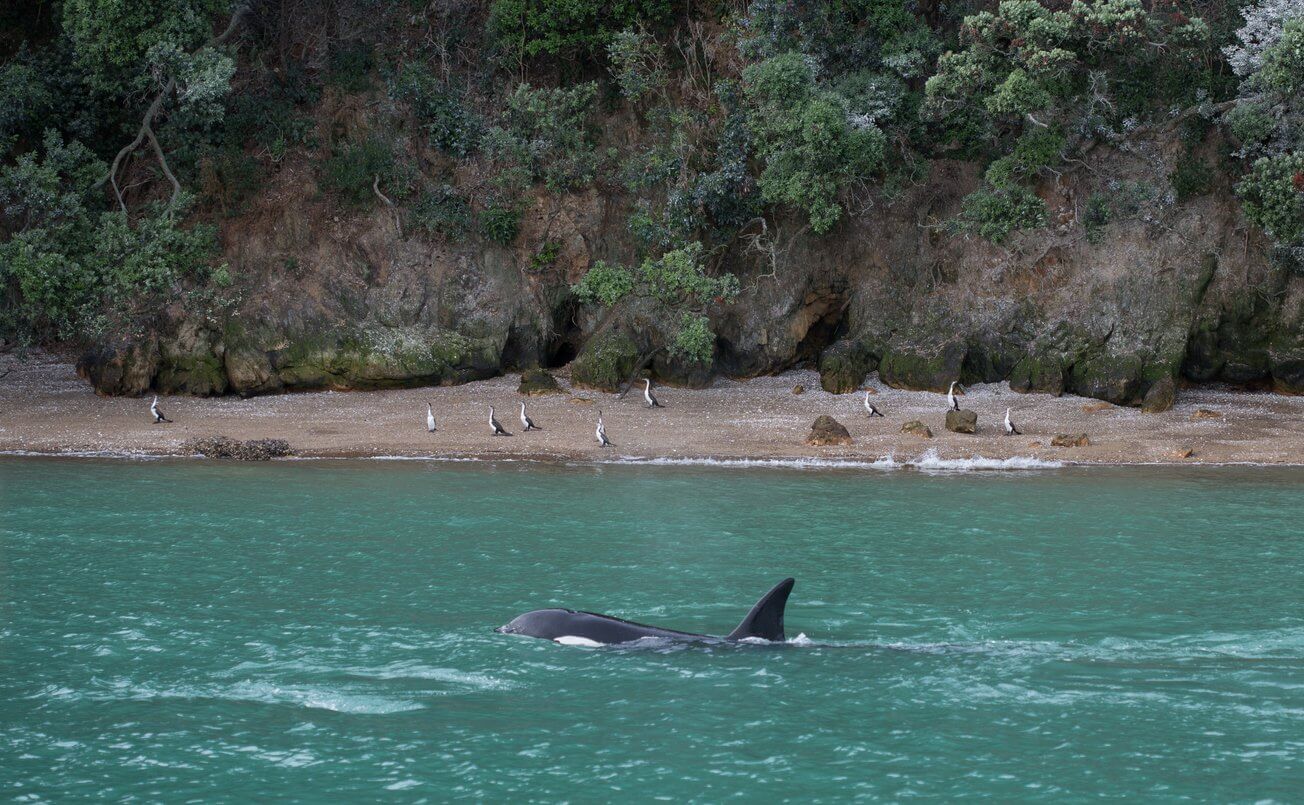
(331, 299)
(828, 431)
(962, 421)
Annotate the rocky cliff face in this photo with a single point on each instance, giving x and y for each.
(329, 300)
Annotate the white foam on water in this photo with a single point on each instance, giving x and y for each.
(930, 460)
(885, 463)
(310, 696)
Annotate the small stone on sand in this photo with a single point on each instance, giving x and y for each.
(917, 428)
(1095, 407)
(1205, 413)
(1070, 440)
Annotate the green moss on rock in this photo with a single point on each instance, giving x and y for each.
(605, 362)
(843, 366)
(920, 369)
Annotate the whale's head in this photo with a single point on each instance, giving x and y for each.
(545, 623)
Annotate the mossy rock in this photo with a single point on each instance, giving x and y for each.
(676, 371)
(121, 368)
(920, 370)
(537, 382)
(605, 362)
(1160, 396)
(844, 365)
(203, 375)
(1117, 379)
(1039, 373)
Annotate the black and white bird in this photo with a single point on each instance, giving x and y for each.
(951, 401)
(647, 394)
(526, 422)
(430, 419)
(601, 433)
(1010, 429)
(157, 412)
(869, 406)
(495, 424)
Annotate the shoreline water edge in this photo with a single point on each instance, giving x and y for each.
(46, 410)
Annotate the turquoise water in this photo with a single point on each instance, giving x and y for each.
(323, 631)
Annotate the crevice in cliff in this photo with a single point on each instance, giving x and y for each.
(829, 324)
(564, 340)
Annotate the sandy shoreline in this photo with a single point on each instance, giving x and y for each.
(46, 409)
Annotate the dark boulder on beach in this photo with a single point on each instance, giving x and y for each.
(962, 421)
(1160, 396)
(828, 431)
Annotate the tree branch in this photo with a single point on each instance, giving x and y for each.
(146, 130)
(398, 222)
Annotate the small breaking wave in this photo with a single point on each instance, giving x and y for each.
(931, 461)
(885, 463)
(928, 461)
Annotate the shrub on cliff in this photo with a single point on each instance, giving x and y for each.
(812, 147)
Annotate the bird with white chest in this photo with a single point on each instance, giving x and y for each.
(157, 412)
(498, 429)
(526, 422)
(1010, 428)
(430, 419)
(601, 432)
(869, 407)
(951, 401)
(648, 397)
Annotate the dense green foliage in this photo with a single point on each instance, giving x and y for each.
(700, 124)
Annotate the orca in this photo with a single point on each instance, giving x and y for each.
(576, 628)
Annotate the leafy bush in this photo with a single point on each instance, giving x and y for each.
(442, 212)
(351, 172)
(1273, 195)
(546, 256)
(501, 223)
(604, 283)
(695, 341)
(548, 132)
(993, 214)
(810, 147)
(350, 66)
(439, 109)
(1096, 216)
(638, 64)
(1191, 177)
(528, 28)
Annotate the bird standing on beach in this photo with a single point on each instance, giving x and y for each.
(1010, 429)
(157, 412)
(951, 401)
(601, 433)
(495, 424)
(869, 406)
(647, 394)
(526, 422)
(430, 419)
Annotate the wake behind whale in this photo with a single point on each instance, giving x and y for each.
(570, 627)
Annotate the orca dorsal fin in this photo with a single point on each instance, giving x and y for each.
(766, 618)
